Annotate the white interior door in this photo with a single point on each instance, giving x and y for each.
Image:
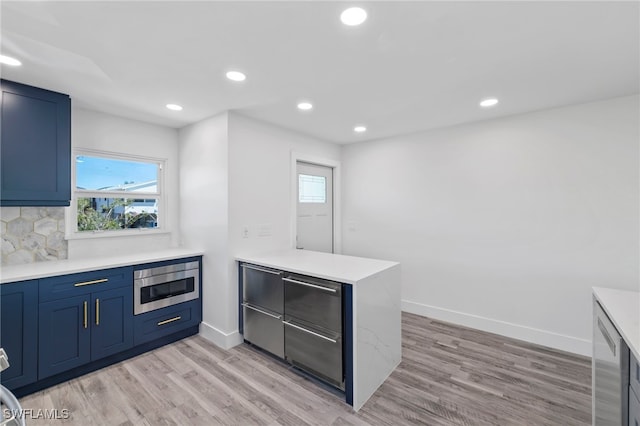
(314, 213)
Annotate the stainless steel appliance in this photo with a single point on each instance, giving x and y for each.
(263, 307)
(313, 327)
(634, 390)
(610, 372)
(156, 288)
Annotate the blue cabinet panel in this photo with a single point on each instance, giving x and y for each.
(18, 332)
(163, 322)
(84, 317)
(35, 146)
(84, 283)
(64, 335)
(112, 317)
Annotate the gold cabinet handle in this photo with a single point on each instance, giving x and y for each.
(103, 280)
(85, 314)
(170, 320)
(97, 311)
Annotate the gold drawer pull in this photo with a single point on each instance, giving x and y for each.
(103, 280)
(85, 314)
(169, 320)
(97, 311)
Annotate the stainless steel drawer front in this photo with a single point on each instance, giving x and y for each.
(314, 301)
(314, 351)
(610, 372)
(263, 288)
(634, 409)
(634, 374)
(264, 330)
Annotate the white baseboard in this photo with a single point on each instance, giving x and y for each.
(220, 338)
(516, 331)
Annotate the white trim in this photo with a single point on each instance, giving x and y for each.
(131, 232)
(503, 328)
(337, 206)
(220, 338)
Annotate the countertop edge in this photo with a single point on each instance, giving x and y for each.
(623, 326)
(377, 267)
(33, 271)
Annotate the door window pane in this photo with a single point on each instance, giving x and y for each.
(312, 189)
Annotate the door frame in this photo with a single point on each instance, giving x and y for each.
(337, 207)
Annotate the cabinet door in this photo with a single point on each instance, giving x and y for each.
(64, 335)
(36, 146)
(112, 322)
(19, 332)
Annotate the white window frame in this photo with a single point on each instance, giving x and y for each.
(71, 228)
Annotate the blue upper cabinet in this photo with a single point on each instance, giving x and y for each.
(35, 146)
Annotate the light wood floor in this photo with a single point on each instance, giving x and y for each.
(449, 375)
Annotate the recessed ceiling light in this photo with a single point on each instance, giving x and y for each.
(236, 76)
(359, 129)
(353, 16)
(174, 107)
(489, 102)
(8, 60)
(305, 106)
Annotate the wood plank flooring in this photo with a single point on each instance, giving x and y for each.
(449, 375)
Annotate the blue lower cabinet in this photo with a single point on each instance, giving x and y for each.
(112, 328)
(77, 330)
(64, 335)
(163, 322)
(18, 332)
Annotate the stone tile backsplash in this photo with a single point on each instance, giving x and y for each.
(32, 234)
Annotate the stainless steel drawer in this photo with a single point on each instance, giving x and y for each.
(634, 373)
(316, 351)
(634, 409)
(263, 287)
(264, 329)
(314, 300)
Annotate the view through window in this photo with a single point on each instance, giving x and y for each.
(116, 193)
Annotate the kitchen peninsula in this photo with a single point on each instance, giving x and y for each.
(372, 341)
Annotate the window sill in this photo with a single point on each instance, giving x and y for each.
(138, 232)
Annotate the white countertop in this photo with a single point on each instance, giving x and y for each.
(334, 267)
(37, 270)
(623, 309)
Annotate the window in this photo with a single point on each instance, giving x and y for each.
(116, 194)
(312, 189)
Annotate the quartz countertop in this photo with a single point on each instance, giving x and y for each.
(334, 267)
(623, 309)
(51, 268)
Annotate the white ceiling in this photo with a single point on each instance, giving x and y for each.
(411, 66)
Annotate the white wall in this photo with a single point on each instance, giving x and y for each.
(204, 215)
(260, 190)
(504, 225)
(236, 172)
(260, 181)
(105, 132)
